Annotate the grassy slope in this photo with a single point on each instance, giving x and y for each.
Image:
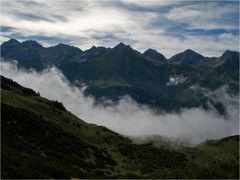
(40, 139)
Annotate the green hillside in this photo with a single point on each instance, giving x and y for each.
(41, 139)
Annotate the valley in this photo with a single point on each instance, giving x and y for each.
(42, 139)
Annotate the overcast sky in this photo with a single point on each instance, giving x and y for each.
(167, 26)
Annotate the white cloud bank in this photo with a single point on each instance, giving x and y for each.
(192, 126)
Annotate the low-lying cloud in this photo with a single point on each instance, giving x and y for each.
(191, 126)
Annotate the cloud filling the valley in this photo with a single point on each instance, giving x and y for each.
(193, 125)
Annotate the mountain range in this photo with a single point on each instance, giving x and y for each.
(149, 78)
(30, 52)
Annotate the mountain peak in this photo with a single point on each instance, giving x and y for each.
(11, 42)
(121, 45)
(190, 51)
(32, 43)
(61, 44)
(187, 58)
(150, 51)
(66, 47)
(229, 53)
(154, 56)
(93, 47)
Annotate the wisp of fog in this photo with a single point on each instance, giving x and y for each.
(192, 125)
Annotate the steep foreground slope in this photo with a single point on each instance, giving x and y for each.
(41, 139)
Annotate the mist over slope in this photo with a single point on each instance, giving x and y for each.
(192, 125)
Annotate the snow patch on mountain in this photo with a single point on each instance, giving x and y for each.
(176, 80)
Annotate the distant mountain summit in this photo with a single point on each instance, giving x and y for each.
(230, 66)
(154, 57)
(93, 53)
(60, 54)
(31, 44)
(230, 55)
(187, 58)
(10, 42)
(123, 49)
(28, 53)
(121, 45)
